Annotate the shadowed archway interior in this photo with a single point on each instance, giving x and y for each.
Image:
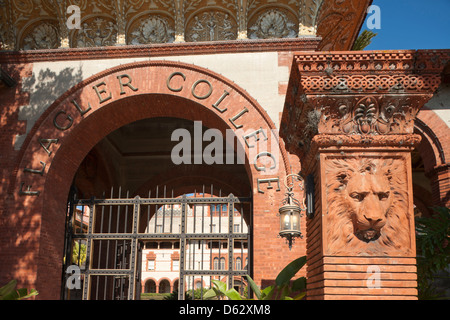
(138, 157)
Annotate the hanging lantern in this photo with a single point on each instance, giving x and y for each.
(290, 213)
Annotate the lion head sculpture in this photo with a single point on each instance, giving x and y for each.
(368, 206)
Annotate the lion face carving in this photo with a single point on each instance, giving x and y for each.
(368, 198)
(368, 208)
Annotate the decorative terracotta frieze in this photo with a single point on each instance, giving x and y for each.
(358, 93)
(161, 50)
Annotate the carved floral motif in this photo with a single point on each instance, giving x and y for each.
(154, 29)
(43, 36)
(273, 24)
(367, 117)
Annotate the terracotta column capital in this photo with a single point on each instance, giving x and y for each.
(364, 93)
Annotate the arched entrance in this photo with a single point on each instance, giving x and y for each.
(95, 108)
(150, 286)
(163, 221)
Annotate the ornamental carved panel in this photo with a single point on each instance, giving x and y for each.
(152, 29)
(273, 23)
(211, 26)
(95, 32)
(43, 35)
(367, 206)
(368, 115)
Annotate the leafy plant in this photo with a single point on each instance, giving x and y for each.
(187, 295)
(284, 288)
(364, 40)
(9, 292)
(79, 253)
(433, 250)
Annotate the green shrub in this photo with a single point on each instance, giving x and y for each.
(433, 251)
(9, 292)
(284, 288)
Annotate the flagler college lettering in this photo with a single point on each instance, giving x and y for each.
(202, 89)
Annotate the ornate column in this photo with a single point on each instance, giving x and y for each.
(349, 116)
(241, 15)
(179, 21)
(119, 12)
(60, 7)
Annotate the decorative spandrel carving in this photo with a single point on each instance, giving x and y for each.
(95, 33)
(368, 211)
(211, 26)
(337, 23)
(273, 23)
(43, 36)
(154, 29)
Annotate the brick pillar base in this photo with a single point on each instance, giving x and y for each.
(362, 278)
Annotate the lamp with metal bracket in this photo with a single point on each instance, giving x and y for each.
(290, 212)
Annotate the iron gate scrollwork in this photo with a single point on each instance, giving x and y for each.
(105, 239)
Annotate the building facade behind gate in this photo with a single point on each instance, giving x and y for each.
(115, 128)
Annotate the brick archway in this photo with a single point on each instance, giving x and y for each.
(84, 115)
(434, 150)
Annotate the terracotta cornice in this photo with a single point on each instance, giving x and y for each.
(366, 93)
(371, 71)
(160, 50)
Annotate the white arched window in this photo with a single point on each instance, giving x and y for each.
(238, 265)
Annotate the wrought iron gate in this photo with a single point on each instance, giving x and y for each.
(105, 239)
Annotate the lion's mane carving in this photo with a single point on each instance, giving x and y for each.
(368, 207)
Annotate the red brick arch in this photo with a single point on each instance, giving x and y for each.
(437, 139)
(434, 150)
(84, 115)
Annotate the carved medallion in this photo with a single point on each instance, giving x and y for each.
(273, 24)
(43, 36)
(154, 29)
(211, 26)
